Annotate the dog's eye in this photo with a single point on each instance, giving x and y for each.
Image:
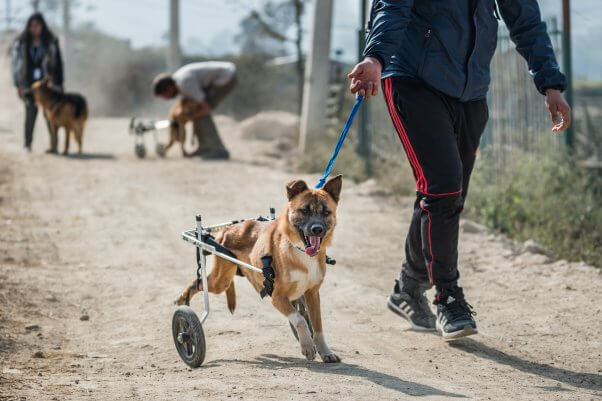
(326, 213)
(306, 210)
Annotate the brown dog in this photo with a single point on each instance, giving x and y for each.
(179, 115)
(297, 243)
(67, 110)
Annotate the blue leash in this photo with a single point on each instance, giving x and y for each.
(335, 153)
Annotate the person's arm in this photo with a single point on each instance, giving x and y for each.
(17, 65)
(389, 18)
(202, 109)
(529, 33)
(388, 21)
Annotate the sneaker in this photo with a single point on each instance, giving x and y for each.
(454, 316)
(412, 306)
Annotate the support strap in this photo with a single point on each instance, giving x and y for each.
(269, 274)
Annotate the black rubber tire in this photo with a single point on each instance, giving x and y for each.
(301, 307)
(160, 150)
(140, 150)
(192, 348)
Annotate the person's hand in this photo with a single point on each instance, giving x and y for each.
(365, 77)
(559, 109)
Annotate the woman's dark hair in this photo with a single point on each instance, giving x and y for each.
(47, 35)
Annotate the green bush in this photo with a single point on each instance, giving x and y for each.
(547, 197)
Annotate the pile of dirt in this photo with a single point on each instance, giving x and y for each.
(270, 126)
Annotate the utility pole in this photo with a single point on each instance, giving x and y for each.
(35, 4)
(567, 64)
(317, 74)
(8, 15)
(174, 56)
(365, 141)
(66, 36)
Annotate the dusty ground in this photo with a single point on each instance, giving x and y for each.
(99, 236)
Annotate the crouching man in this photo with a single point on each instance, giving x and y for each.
(206, 83)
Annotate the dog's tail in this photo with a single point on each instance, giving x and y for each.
(231, 297)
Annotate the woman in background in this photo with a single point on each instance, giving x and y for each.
(35, 55)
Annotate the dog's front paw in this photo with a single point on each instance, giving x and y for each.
(330, 358)
(182, 300)
(309, 350)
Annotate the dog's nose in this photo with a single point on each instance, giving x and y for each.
(317, 229)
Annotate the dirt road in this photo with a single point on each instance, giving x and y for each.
(91, 260)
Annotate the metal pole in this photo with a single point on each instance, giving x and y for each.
(567, 64)
(7, 15)
(365, 140)
(203, 262)
(174, 56)
(317, 73)
(66, 36)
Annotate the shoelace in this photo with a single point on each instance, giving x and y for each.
(459, 309)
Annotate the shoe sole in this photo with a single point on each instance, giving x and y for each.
(466, 331)
(393, 308)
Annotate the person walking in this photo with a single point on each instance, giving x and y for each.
(207, 83)
(432, 59)
(35, 55)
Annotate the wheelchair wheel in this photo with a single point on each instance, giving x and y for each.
(160, 149)
(188, 336)
(140, 150)
(301, 307)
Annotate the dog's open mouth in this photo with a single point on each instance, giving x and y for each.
(312, 244)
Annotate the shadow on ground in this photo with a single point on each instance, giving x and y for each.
(275, 362)
(90, 156)
(590, 381)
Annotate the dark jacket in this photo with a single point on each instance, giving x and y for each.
(52, 64)
(449, 44)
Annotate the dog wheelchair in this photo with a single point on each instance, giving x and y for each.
(187, 327)
(140, 128)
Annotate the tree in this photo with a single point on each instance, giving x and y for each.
(266, 31)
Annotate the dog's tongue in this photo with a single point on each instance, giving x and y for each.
(313, 247)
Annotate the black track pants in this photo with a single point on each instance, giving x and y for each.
(440, 136)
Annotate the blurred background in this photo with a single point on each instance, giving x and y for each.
(528, 183)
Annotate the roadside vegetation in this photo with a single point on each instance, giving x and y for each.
(549, 198)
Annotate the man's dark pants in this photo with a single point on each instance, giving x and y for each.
(205, 128)
(440, 136)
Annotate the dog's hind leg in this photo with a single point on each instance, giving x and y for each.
(312, 297)
(285, 307)
(218, 281)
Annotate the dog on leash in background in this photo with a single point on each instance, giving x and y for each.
(179, 115)
(296, 242)
(62, 109)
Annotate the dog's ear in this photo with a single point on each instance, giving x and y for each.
(294, 188)
(333, 187)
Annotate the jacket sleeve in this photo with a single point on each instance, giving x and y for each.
(389, 18)
(59, 72)
(529, 33)
(17, 64)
